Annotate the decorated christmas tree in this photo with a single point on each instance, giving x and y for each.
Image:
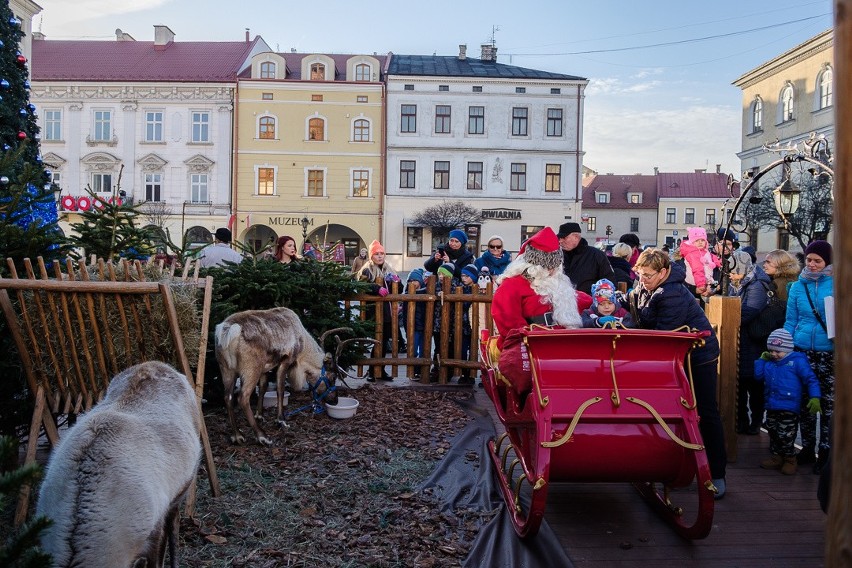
(28, 217)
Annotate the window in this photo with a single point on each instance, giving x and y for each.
(787, 103)
(529, 230)
(671, 215)
(710, 217)
(443, 87)
(519, 121)
(56, 178)
(476, 120)
(408, 88)
(634, 224)
(634, 198)
(553, 178)
(316, 98)
(442, 119)
(414, 241)
(316, 183)
(518, 177)
(592, 224)
(102, 183)
(266, 181)
(477, 88)
(407, 170)
(554, 122)
(361, 130)
(825, 89)
(602, 197)
(201, 127)
(555, 91)
(266, 128)
(442, 175)
(362, 72)
(154, 126)
(360, 183)
(474, 175)
(317, 72)
(689, 216)
(267, 70)
(520, 90)
(757, 115)
(316, 129)
(266, 96)
(53, 125)
(103, 126)
(361, 99)
(153, 187)
(198, 188)
(408, 118)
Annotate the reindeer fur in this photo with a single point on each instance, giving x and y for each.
(116, 479)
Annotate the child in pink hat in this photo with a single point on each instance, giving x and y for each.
(700, 262)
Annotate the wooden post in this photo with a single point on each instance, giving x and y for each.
(838, 535)
(724, 314)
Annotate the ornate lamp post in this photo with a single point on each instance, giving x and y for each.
(787, 196)
(305, 222)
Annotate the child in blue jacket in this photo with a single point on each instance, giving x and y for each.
(786, 373)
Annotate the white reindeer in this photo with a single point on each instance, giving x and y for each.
(116, 479)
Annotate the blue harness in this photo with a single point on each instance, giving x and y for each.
(317, 399)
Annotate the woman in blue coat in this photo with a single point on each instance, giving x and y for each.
(496, 258)
(806, 322)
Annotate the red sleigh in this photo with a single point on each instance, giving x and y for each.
(606, 405)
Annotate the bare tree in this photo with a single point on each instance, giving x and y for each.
(157, 213)
(448, 215)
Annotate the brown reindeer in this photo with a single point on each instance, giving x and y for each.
(250, 343)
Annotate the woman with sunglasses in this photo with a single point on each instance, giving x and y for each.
(495, 258)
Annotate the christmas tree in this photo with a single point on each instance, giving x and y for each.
(28, 217)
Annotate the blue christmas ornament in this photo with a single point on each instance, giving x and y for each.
(4, 84)
(48, 173)
(32, 107)
(23, 112)
(2, 45)
(13, 21)
(6, 147)
(26, 84)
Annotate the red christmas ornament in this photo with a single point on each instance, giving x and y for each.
(22, 135)
(22, 60)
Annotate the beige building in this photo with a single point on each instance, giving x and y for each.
(308, 146)
(785, 100)
(697, 199)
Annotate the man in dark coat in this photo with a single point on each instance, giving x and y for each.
(583, 264)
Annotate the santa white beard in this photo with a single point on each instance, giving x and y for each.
(557, 290)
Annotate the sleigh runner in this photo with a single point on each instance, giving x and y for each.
(606, 405)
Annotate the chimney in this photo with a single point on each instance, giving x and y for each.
(700, 170)
(248, 36)
(489, 52)
(656, 170)
(163, 36)
(122, 36)
(462, 52)
(718, 168)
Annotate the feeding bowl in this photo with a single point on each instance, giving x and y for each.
(270, 399)
(345, 408)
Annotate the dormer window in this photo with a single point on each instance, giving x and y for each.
(267, 70)
(634, 198)
(317, 72)
(602, 197)
(362, 72)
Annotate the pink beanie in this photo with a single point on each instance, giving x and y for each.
(695, 233)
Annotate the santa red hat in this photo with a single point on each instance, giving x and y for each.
(542, 249)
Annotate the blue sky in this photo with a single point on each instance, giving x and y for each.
(671, 105)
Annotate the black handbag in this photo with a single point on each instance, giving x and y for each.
(770, 318)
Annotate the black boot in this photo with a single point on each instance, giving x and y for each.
(806, 456)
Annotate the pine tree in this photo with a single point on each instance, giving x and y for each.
(28, 217)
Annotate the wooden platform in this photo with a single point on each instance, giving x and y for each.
(765, 520)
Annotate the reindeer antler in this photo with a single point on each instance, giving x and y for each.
(345, 342)
(328, 332)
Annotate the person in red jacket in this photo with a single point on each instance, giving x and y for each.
(533, 290)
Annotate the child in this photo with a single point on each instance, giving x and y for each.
(605, 307)
(418, 276)
(786, 373)
(700, 262)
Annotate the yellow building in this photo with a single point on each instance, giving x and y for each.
(308, 137)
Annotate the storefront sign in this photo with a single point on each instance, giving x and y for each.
(292, 221)
(501, 214)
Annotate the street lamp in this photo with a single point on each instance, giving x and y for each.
(787, 196)
(305, 222)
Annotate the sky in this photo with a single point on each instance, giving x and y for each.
(659, 71)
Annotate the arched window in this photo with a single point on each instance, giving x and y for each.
(316, 129)
(825, 89)
(787, 103)
(266, 128)
(267, 70)
(362, 72)
(757, 115)
(361, 130)
(317, 72)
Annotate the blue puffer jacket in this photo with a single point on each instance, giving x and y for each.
(495, 265)
(753, 298)
(785, 380)
(807, 332)
(672, 306)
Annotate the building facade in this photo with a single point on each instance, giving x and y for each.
(617, 204)
(697, 199)
(504, 140)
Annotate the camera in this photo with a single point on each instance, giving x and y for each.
(441, 249)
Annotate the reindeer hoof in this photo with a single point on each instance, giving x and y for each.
(264, 441)
(238, 439)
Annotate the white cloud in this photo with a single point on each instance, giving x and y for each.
(57, 14)
(642, 87)
(648, 72)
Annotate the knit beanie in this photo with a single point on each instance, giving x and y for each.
(459, 234)
(602, 290)
(472, 271)
(724, 234)
(447, 269)
(820, 248)
(375, 247)
(542, 249)
(780, 340)
(695, 233)
(417, 275)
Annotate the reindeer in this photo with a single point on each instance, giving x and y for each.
(116, 479)
(253, 342)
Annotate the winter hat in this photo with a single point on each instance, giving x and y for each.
(566, 229)
(602, 290)
(459, 234)
(364, 251)
(417, 275)
(375, 247)
(542, 249)
(821, 249)
(780, 340)
(223, 235)
(724, 234)
(472, 271)
(695, 233)
(447, 269)
(630, 239)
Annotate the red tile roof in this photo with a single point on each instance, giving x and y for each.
(618, 187)
(294, 64)
(185, 61)
(694, 185)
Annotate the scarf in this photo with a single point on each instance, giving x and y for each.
(808, 274)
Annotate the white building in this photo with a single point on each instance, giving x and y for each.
(502, 139)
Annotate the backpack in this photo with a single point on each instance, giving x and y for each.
(770, 318)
